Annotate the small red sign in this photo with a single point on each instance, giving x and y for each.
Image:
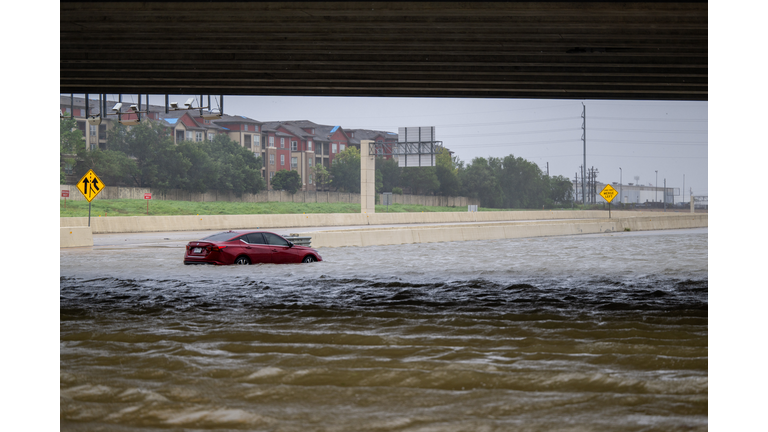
(65, 194)
(147, 196)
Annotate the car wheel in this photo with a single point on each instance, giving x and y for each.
(308, 259)
(242, 260)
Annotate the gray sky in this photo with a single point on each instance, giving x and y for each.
(640, 137)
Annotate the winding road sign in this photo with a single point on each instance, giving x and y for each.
(608, 193)
(90, 185)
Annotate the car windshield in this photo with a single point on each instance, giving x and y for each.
(220, 237)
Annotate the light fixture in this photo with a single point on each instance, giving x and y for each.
(174, 105)
(94, 121)
(117, 107)
(188, 103)
(134, 108)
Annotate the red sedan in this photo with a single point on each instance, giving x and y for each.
(247, 247)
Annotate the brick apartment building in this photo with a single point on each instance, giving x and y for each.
(297, 145)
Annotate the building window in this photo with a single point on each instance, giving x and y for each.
(210, 136)
(93, 130)
(271, 174)
(271, 160)
(282, 159)
(294, 146)
(93, 146)
(246, 128)
(294, 163)
(310, 179)
(247, 141)
(272, 141)
(333, 148)
(256, 140)
(309, 145)
(190, 136)
(342, 147)
(199, 136)
(309, 162)
(282, 142)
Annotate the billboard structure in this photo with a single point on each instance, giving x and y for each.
(415, 147)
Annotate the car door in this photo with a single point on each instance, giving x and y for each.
(281, 252)
(258, 250)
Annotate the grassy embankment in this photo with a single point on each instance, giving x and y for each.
(128, 207)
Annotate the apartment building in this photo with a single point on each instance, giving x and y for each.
(298, 145)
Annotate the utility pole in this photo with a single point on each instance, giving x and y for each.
(656, 193)
(584, 141)
(576, 187)
(620, 188)
(665, 194)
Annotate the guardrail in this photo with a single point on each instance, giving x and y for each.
(298, 240)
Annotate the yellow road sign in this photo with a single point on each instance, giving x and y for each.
(90, 185)
(608, 193)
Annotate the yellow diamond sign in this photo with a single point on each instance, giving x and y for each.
(608, 193)
(90, 185)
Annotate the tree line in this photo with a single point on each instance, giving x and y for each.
(146, 156)
(507, 182)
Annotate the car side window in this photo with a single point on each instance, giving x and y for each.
(242, 237)
(275, 240)
(256, 238)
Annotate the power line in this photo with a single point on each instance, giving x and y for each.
(509, 133)
(651, 119)
(650, 130)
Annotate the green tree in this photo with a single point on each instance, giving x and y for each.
(239, 168)
(421, 180)
(112, 167)
(390, 173)
(320, 175)
(203, 172)
(149, 144)
(345, 170)
(447, 173)
(561, 189)
(478, 181)
(71, 142)
(287, 180)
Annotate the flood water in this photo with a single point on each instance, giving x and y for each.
(597, 332)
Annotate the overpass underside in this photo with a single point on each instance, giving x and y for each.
(563, 50)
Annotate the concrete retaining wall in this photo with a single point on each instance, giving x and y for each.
(75, 236)
(124, 224)
(393, 236)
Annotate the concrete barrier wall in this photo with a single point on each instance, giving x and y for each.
(122, 224)
(394, 236)
(75, 237)
(114, 192)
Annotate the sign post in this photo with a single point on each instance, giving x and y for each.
(608, 193)
(147, 196)
(65, 195)
(90, 186)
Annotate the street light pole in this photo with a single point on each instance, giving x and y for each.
(656, 194)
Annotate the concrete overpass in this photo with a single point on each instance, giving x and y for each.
(564, 50)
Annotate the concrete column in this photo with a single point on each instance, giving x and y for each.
(367, 179)
(692, 210)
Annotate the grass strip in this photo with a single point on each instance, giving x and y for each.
(138, 207)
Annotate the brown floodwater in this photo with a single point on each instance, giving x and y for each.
(595, 332)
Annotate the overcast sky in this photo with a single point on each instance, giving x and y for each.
(637, 136)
